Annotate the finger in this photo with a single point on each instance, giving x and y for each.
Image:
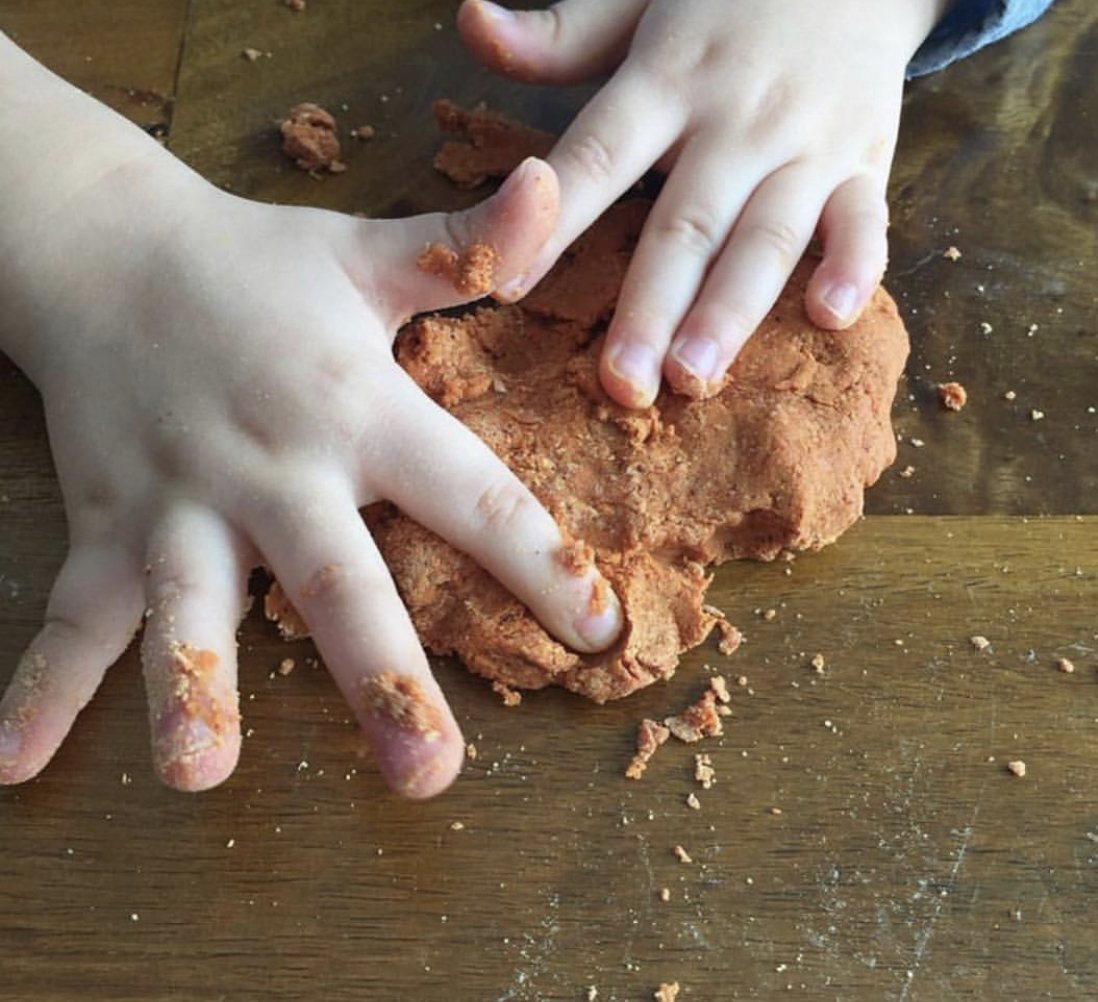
(434, 261)
(686, 229)
(854, 228)
(93, 612)
(619, 134)
(326, 562)
(570, 42)
(767, 242)
(480, 507)
(196, 596)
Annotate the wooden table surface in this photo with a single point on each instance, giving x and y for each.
(864, 839)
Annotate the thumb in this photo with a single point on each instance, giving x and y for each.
(434, 261)
(572, 41)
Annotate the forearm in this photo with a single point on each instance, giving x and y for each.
(76, 177)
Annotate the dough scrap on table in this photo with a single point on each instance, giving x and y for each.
(489, 144)
(309, 138)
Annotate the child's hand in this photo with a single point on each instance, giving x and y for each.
(220, 390)
(775, 119)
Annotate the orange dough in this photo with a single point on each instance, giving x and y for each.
(472, 272)
(490, 145)
(777, 461)
(403, 700)
(309, 138)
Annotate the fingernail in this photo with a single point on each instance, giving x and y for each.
(699, 356)
(497, 13)
(419, 780)
(11, 741)
(181, 741)
(511, 291)
(841, 300)
(518, 174)
(600, 625)
(637, 365)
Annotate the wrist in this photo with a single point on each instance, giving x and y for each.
(89, 194)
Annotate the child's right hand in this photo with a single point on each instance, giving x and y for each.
(774, 120)
(220, 390)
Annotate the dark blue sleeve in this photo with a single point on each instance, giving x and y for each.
(970, 25)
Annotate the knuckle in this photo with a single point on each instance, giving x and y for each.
(728, 321)
(782, 239)
(591, 156)
(172, 587)
(501, 508)
(551, 24)
(330, 584)
(695, 230)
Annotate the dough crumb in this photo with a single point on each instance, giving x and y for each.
(403, 700)
(951, 253)
(818, 663)
(1017, 768)
(667, 992)
(286, 665)
(979, 643)
(1065, 666)
(953, 396)
(699, 720)
(681, 854)
(704, 773)
(363, 133)
(472, 273)
(489, 145)
(278, 609)
(309, 139)
(250, 54)
(731, 637)
(592, 993)
(650, 735)
(471, 752)
(510, 697)
(692, 802)
(194, 694)
(719, 686)
(665, 894)
(576, 557)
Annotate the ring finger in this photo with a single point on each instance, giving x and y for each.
(325, 560)
(195, 594)
(768, 240)
(683, 234)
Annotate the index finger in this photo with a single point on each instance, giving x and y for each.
(480, 507)
(619, 135)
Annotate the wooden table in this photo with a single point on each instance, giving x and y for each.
(864, 839)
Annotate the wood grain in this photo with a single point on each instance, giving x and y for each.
(903, 844)
(906, 863)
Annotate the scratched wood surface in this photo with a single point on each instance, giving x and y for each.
(906, 862)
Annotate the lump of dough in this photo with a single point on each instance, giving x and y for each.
(776, 462)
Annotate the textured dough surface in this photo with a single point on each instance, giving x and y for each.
(778, 461)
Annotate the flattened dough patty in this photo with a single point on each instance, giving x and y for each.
(778, 461)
